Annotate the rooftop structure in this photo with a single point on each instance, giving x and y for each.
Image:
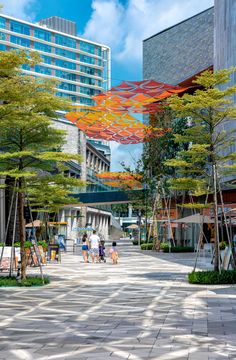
(59, 24)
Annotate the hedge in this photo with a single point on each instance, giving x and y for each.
(136, 242)
(148, 246)
(212, 277)
(30, 281)
(176, 249)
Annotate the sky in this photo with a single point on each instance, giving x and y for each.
(120, 24)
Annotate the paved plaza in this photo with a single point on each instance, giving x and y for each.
(142, 308)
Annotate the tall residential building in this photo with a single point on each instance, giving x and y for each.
(82, 68)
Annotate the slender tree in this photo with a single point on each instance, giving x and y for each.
(30, 145)
(207, 160)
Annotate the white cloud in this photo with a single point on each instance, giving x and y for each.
(127, 154)
(123, 27)
(21, 9)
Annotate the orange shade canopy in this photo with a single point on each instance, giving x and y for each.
(119, 127)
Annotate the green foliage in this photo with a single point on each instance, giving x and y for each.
(207, 107)
(43, 243)
(27, 244)
(222, 245)
(32, 147)
(176, 249)
(6, 281)
(164, 247)
(212, 277)
(135, 242)
(147, 246)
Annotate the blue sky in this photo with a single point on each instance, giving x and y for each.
(120, 24)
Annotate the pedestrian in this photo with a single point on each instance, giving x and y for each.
(114, 253)
(94, 242)
(85, 247)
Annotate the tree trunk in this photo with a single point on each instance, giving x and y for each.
(21, 200)
(216, 259)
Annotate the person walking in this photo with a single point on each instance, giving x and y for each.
(114, 253)
(85, 247)
(94, 242)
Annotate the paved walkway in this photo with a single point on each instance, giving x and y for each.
(142, 308)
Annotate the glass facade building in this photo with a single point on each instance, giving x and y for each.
(82, 67)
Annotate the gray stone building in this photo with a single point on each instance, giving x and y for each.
(180, 51)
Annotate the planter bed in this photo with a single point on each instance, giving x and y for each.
(212, 277)
(6, 281)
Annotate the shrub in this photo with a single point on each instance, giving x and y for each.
(176, 249)
(148, 246)
(222, 245)
(43, 243)
(165, 247)
(212, 277)
(30, 281)
(135, 242)
(28, 244)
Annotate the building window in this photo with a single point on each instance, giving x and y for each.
(90, 48)
(46, 59)
(42, 70)
(65, 41)
(2, 23)
(88, 91)
(42, 34)
(65, 64)
(26, 67)
(68, 96)
(66, 86)
(42, 47)
(86, 101)
(20, 41)
(89, 70)
(65, 53)
(19, 28)
(87, 80)
(65, 75)
(2, 47)
(87, 47)
(2, 36)
(87, 59)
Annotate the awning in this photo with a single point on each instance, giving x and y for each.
(35, 223)
(133, 226)
(196, 219)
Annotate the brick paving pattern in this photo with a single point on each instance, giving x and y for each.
(142, 308)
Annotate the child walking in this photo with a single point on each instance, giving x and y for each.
(114, 253)
(85, 248)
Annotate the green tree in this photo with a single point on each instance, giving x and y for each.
(30, 145)
(207, 160)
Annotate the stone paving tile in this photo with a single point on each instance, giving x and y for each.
(141, 309)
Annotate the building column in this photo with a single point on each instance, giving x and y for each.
(82, 151)
(225, 50)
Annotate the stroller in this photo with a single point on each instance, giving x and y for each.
(102, 254)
